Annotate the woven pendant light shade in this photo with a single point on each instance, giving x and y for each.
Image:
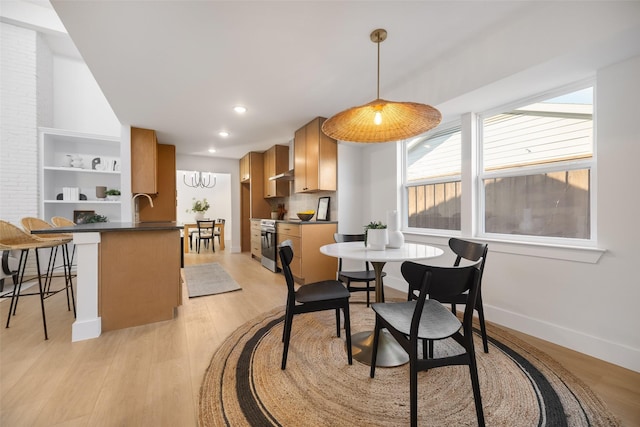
(395, 120)
(401, 120)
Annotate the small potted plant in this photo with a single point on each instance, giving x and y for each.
(199, 207)
(375, 235)
(112, 194)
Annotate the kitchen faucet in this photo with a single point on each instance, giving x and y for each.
(136, 207)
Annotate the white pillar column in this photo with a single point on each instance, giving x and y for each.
(87, 325)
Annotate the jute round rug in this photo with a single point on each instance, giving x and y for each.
(520, 386)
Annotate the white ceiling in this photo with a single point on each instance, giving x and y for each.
(179, 67)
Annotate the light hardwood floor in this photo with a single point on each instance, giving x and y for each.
(151, 375)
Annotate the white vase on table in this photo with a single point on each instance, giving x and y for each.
(198, 216)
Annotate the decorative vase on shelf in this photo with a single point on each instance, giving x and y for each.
(396, 238)
(377, 239)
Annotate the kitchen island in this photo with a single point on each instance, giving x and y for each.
(127, 275)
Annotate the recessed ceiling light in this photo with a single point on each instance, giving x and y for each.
(223, 133)
(212, 150)
(240, 109)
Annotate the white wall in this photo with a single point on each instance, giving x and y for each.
(78, 102)
(219, 198)
(228, 167)
(589, 307)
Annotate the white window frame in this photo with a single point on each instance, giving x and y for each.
(406, 184)
(590, 164)
(472, 208)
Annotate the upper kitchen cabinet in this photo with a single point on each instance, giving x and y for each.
(276, 161)
(144, 161)
(245, 170)
(165, 200)
(315, 159)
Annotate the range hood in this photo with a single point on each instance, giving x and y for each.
(285, 176)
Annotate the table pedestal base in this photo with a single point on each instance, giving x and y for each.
(390, 353)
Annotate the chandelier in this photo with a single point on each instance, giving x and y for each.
(200, 180)
(381, 120)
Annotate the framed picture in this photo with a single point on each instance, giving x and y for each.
(323, 209)
(79, 217)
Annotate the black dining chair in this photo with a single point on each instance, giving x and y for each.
(361, 276)
(427, 319)
(472, 252)
(317, 296)
(216, 231)
(205, 233)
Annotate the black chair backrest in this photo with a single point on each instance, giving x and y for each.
(449, 281)
(204, 224)
(470, 251)
(339, 238)
(286, 255)
(220, 221)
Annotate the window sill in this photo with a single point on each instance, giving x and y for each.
(587, 255)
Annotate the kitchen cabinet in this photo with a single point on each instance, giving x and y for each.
(144, 161)
(276, 161)
(139, 277)
(308, 264)
(252, 201)
(315, 159)
(256, 239)
(245, 172)
(165, 200)
(78, 160)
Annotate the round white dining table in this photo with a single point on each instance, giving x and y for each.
(390, 353)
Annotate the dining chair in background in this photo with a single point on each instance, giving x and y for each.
(205, 234)
(427, 319)
(362, 276)
(216, 230)
(317, 296)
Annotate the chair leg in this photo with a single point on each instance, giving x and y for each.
(44, 317)
(483, 328)
(15, 295)
(338, 322)
(475, 384)
(347, 331)
(368, 292)
(287, 337)
(413, 389)
(374, 353)
(69, 284)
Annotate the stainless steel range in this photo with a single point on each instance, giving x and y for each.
(269, 244)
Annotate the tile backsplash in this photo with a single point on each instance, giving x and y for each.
(299, 202)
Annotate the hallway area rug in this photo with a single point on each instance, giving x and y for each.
(520, 386)
(208, 279)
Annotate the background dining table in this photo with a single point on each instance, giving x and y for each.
(390, 353)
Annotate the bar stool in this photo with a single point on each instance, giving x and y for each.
(60, 221)
(31, 223)
(15, 239)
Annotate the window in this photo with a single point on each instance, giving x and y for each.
(536, 168)
(433, 180)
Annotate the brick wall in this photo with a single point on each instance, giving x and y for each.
(19, 132)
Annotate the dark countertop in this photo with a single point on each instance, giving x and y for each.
(102, 227)
(297, 221)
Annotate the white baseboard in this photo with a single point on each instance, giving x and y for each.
(597, 347)
(85, 330)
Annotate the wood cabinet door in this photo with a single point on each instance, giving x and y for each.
(144, 160)
(165, 200)
(269, 171)
(245, 175)
(312, 155)
(300, 159)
